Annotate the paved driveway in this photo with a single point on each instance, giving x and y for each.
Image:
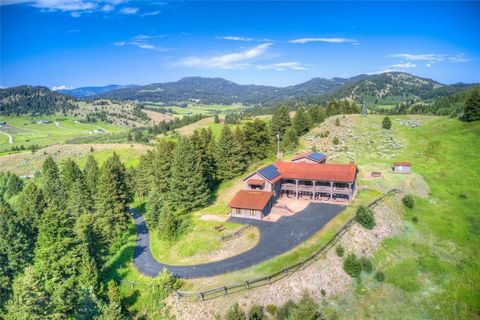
(275, 238)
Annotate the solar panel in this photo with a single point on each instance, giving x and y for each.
(270, 172)
(316, 156)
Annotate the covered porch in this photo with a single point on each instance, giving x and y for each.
(317, 190)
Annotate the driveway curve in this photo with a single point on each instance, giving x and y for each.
(276, 238)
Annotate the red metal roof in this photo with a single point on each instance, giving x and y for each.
(405, 164)
(250, 199)
(256, 182)
(312, 171)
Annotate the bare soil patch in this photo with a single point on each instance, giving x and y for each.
(157, 117)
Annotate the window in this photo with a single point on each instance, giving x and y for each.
(253, 213)
(238, 211)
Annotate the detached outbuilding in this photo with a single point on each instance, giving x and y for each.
(402, 167)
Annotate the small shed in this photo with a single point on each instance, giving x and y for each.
(402, 167)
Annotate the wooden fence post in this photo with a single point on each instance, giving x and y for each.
(225, 291)
(201, 296)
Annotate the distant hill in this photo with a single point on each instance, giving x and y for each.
(391, 86)
(34, 100)
(84, 92)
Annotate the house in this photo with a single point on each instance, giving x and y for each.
(402, 167)
(311, 181)
(310, 157)
(2, 123)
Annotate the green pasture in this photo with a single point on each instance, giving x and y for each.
(207, 109)
(26, 131)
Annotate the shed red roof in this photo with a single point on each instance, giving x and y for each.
(250, 199)
(256, 182)
(312, 171)
(404, 164)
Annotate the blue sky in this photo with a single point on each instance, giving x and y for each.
(73, 43)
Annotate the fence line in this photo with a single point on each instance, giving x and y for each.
(252, 283)
(235, 234)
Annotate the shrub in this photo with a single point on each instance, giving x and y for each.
(386, 123)
(306, 309)
(235, 313)
(272, 309)
(408, 201)
(335, 141)
(284, 311)
(255, 313)
(323, 292)
(379, 276)
(414, 219)
(366, 265)
(364, 216)
(337, 122)
(462, 196)
(352, 265)
(339, 250)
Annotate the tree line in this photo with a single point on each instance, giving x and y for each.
(56, 233)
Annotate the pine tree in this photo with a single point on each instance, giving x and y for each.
(300, 122)
(29, 300)
(91, 173)
(472, 106)
(29, 207)
(230, 163)
(188, 188)
(112, 199)
(241, 149)
(290, 140)
(386, 123)
(14, 186)
(52, 188)
(57, 258)
(203, 143)
(154, 206)
(162, 165)
(79, 198)
(280, 121)
(258, 140)
(89, 305)
(306, 309)
(16, 249)
(168, 223)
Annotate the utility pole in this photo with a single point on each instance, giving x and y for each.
(279, 155)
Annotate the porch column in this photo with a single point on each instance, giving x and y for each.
(331, 190)
(350, 191)
(296, 188)
(313, 192)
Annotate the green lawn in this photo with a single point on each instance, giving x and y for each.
(27, 132)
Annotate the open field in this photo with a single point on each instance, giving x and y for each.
(26, 131)
(194, 108)
(27, 163)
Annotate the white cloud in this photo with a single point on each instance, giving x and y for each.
(459, 58)
(428, 65)
(152, 13)
(430, 57)
(329, 40)
(403, 65)
(129, 10)
(235, 38)
(227, 61)
(62, 87)
(282, 66)
(141, 41)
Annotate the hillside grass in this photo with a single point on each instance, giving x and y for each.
(431, 269)
(194, 108)
(25, 131)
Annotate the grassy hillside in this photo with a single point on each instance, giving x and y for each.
(26, 131)
(432, 267)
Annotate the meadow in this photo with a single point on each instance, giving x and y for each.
(25, 130)
(196, 108)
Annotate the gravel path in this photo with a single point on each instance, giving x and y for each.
(10, 138)
(276, 238)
